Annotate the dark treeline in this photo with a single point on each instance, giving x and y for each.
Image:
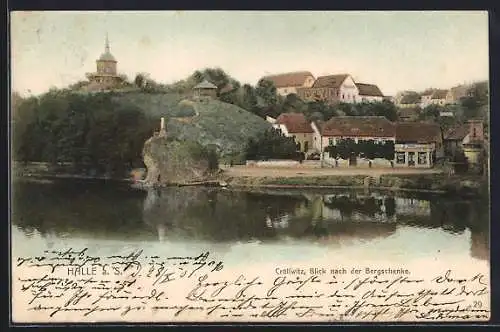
(92, 132)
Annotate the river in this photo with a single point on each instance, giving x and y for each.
(245, 227)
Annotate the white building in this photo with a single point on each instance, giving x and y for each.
(369, 93)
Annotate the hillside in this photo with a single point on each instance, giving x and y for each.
(214, 122)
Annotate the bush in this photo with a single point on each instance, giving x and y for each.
(271, 145)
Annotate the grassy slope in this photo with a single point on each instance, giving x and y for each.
(225, 125)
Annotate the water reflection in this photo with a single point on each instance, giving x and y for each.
(335, 218)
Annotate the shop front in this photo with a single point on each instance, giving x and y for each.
(414, 155)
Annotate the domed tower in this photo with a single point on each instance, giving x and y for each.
(106, 75)
(106, 64)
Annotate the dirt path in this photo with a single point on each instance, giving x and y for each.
(238, 171)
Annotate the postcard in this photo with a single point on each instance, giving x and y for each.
(252, 166)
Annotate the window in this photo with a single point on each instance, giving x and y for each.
(330, 141)
(343, 96)
(400, 158)
(474, 132)
(422, 158)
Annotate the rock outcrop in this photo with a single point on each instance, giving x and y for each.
(170, 161)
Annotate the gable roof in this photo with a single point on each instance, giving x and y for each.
(369, 90)
(292, 79)
(294, 122)
(439, 94)
(205, 85)
(330, 81)
(359, 126)
(417, 132)
(457, 133)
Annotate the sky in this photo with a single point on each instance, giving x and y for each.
(395, 50)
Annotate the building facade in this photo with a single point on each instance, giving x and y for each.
(455, 94)
(369, 93)
(417, 145)
(288, 83)
(205, 91)
(356, 128)
(296, 125)
(467, 138)
(331, 89)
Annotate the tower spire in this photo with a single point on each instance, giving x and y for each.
(106, 45)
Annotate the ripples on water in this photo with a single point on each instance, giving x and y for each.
(364, 222)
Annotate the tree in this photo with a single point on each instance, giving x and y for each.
(140, 80)
(477, 99)
(432, 112)
(271, 145)
(249, 99)
(388, 150)
(89, 131)
(410, 97)
(267, 91)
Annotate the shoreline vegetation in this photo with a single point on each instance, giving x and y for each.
(425, 181)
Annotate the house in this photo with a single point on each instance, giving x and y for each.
(455, 94)
(439, 97)
(331, 89)
(357, 128)
(288, 83)
(433, 97)
(426, 98)
(467, 138)
(296, 125)
(418, 144)
(205, 91)
(369, 93)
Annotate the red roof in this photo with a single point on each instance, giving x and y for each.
(294, 122)
(417, 132)
(359, 126)
(294, 79)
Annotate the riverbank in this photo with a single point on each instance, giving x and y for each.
(430, 180)
(426, 180)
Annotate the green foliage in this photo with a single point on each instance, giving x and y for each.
(271, 145)
(411, 97)
(89, 131)
(432, 112)
(267, 92)
(476, 101)
(184, 111)
(200, 152)
(139, 80)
